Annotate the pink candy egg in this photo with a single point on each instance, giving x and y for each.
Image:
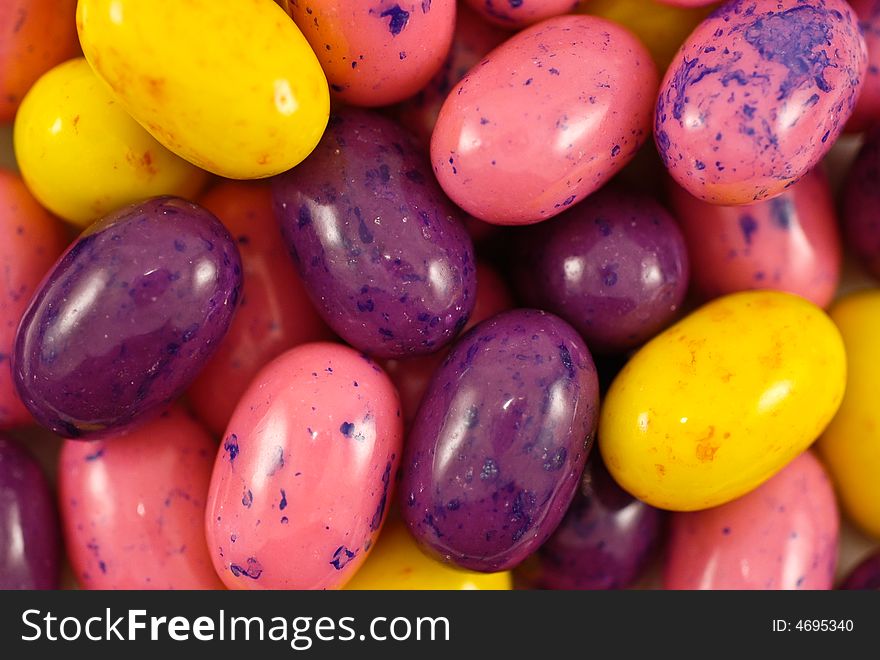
(867, 110)
(303, 479)
(132, 507)
(544, 120)
(783, 535)
(519, 13)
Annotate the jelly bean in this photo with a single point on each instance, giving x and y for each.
(605, 540)
(397, 563)
(302, 482)
(82, 156)
(133, 506)
(788, 243)
(717, 404)
(30, 553)
(757, 95)
(32, 241)
(381, 251)
(861, 205)
(865, 576)
(35, 35)
(544, 120)
(274, 315)
(850, 446)
(376, 53)
(126, 318)
(614, 266)
(783, 535)
(515, 14)
(500, 441)
(867, 110)
(232, 86)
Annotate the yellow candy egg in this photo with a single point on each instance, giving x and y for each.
(231, 86)
(850, 445)
(721, 401)
(83, 156)
(397, 563)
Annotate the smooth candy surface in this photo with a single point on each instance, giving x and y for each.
(133, 506)
(544, 120)
(721, 401)
(781, 536)
(757, 95)
(514, 14)
(789, 243)
(32, 241)
(127, 317)
(30, 547)
(275, 313)
(382, 253)
(500, 441)
(867, 110)
(865, 576)
(614, 266)
(306, 471)
(861, 205)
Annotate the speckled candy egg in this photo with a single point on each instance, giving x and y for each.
(126, 318)
(757, 95)
(788, 243)
(500, 441)
(605, 540)
(133, 506)
(865, 576)
(867, 110)
(781, 536)
(30, 548)
(32, 241)
(381, 251)
(514, 14)
(274, 314)
(861, 205)
(302, 482)
(615, 267)
(544, 120)
(378, 52)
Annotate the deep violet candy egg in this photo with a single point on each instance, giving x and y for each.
(383, 254)
(757, 95)
(500, 441)
(126, 318)
(866, 575)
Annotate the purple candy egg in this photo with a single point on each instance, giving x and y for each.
(614, 266)
(500, 441)
(127, 318)
(382, 253)
(861, 200)
(865, 576)
(29, 534)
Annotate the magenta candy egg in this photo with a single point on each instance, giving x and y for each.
(304, 476)
(544, 120)
(519, 13)
(865, 576)
(133, 506)
(757, 95)
(788, 243)
(376, 53)
(867, 110)
(861, 204)
(782, 535)
(30, 544)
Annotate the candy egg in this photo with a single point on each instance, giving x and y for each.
(783, 535)
(397, 563)
(544, 120)
(381, 251)
(274, 314)
(757, 95)
(615, 267)
(605, 540)
(867, 110)
(519, 13)
(30, 552)
(126, 318)
(500, 441)
(865, 576)
(35, 35)
(376, 53)
(232, 86)
(717, 404)
(788, 243)
(302, 482)
(850, 446)
(133, 506)
(32, 241)
(861, 204)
